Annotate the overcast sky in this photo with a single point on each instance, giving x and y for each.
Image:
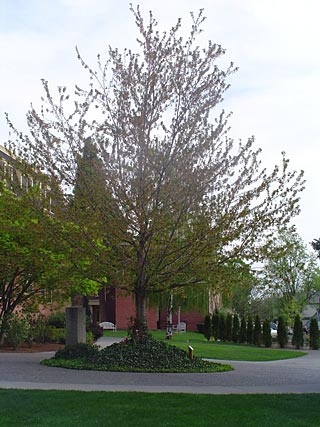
(275, 95)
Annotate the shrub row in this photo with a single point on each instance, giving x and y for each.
(37, 329)
(228, 328)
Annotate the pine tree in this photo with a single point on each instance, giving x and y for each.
(282, 336)
(222, 327)
(235, 328)
(243, 331)
(257, 331)
(207, 327)
(266, 335)
(314, 334)
(215, 325)
(229, 327)
(250, 331)
(297, 338)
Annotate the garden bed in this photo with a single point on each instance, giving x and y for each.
(35, 348)
(147, 355)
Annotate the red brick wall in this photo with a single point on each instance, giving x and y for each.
(125, 308)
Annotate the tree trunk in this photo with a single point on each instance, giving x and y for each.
(169, 316)
(3, 328)
(139, 327)
(1, 337)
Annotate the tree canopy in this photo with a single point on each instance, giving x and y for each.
(182, 197)
(291, 273)
(38, 264)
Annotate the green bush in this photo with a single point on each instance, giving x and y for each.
(243, 331)
(57, 320)
(89, 338)
(96, 331)
(17, 331)
(56, 335)
(229, 327)
(314, 334)
(215, 325)
(235, 328)
(266, 333)
(297, 337)
(207, 327)
(250, 331)
(257, 331)
(282, 336)
(41, 331)
(222, 327)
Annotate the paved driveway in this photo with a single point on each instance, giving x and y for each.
(301, 375)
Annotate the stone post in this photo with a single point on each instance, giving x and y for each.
(76, 325)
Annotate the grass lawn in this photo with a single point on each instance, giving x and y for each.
(220, 351)
(82, 409)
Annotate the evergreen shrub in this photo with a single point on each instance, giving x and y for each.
(282, 336)
(250, 331)
(222, 327)
(243, 331)
(235, 328)
(257, 331)
(207, 327)
(266, 334)
(297, 337)
(229, 327)
(314, 334)
(215, 325)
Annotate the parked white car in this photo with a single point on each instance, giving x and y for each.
(273, 329)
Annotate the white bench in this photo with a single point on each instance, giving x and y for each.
(182, 327)
(108, 325)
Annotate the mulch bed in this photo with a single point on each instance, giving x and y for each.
(36, 348)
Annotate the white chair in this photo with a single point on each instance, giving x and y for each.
(108, 325)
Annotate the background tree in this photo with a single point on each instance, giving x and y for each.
(291, 272)
(236, 282)
(257, 331)
(34, 267)
(266, 306)
(316, 246)
(290, 311)
(266, 333)
(282, 336)
(185, 198)
(314, 334)
(297, 337)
